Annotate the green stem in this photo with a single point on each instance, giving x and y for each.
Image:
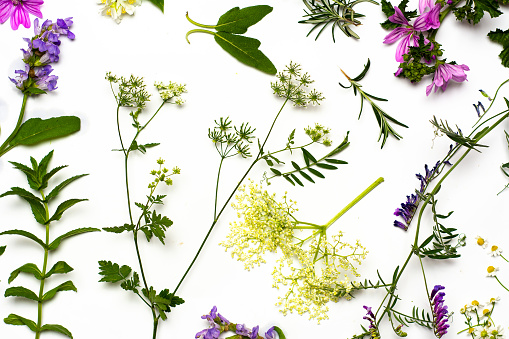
(4, 147)
(354, 201)
(44, 268)
(197, 31)
(258, 157)
(504, 258)
(217, 186)
(197, 24)
(501, 284)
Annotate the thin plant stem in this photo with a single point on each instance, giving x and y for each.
(4, 147)
(501, 284)
(43, 274)
(217, 185)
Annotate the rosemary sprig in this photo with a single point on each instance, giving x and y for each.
(383, 118)
(336, 12)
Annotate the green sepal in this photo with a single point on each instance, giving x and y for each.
(55, 243)
(112, 272)
(27, 268)
(26, 235)
(54, 192)
(159, 4)
(34, 91)
(60, 267)
(36, 130)
(20, 291)
(64, 207)
(245, 50)
(56, 328)
(14, 319)
(66, 286)
(238, 20)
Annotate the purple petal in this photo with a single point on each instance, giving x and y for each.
(19, 17)
(6, 9)
(402, 48)
(398, 17)
(396, 34)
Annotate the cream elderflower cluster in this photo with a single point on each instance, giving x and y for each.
(312, 270)
(171, 91)
(117, 8)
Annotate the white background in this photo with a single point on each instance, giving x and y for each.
(152, 45)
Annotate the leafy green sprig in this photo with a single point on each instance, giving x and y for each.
(441, 238)
(384, 120)
(337, 13)
(132, 93)
(228, 32)
(38, 177)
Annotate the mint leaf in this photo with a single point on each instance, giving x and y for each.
(56, 328)
(27, 268)
(238, 20)
(14, 319)
(159, 4)
(245, 50)
(66, 286)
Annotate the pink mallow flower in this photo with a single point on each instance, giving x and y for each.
(18, 11)
(446, 72)
(409, 34)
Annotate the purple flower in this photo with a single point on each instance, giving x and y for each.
(18, 11)
(440, 314)
(210, 333)
(373, 329)
(254, 333)
(271, 333)
(242, 330)
(445, 72)
(409, 34)
(408, 208)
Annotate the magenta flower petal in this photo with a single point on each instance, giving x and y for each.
(402, 48)
(398, 17)
(19, 17)
(6, 9)
(446, 72)
(396, 34)
(32, 6)
(18, 11)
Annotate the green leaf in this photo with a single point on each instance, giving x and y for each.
(21, 193)
(315, 172)
(66, 286)
(159, 4)
(26, 235)
(336, 161)
(131, 284)
(297, 180)
(363, 73)
(501, 37)
(119, 229)
(27, 268)
(279, 332)
(38, 211)
(34, 90)
(35, 203)
(2, 249)
(245, 50)
(36, 130)
(306, 176)
(43, 165)
(294, 164)
(239, 20)
(288, 179)
(54, 192)
(308, 157)
(30, 173)
(55, 243)
(159, 225)
(14, 319)
(113, 272)
(52, 173)
(275, 171)
(64, 207)
(20, 291)
(57, 328)
(60, 267)
(326, 166)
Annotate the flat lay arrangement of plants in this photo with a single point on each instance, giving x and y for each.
(305, 168)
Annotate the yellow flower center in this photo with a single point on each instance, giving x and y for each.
(485, 311)
(471, 330)
(491, 269)
(475, 303)
(480, 241)
(492, 300)
(484, 333)
(494, 248)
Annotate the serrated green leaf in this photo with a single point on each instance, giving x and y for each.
(159, 4)
(14, 319)
(20, 291)
(501, 37)
(119, 229)
(43, 165)
(30, 173)
(112, 272)
(55, 243)
(21, 192)
(27, 268)
(60, 267)
(26, 235)
(315, 172)
(131, 284)
(57, 328)
(326, 166)
(64, 207)
(38, 211)
(66, 286)
(35, 130)
(245, 50)
(54, 192)
(52, 173)
(238, 20)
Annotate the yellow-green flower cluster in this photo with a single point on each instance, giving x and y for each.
(266, 226)
(313, 271)
(318, 133)
(171, 91)
(162, 175)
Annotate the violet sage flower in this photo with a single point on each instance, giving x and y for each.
(440, 314)
(409, 207)
(445, 72)
(18, 11)
(373, 328)
(43, 49)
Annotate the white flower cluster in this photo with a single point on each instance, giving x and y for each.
(117, 8)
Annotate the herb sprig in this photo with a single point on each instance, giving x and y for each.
(38, 177)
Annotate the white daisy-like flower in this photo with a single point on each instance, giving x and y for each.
(481, 332)
(481, 241)
(116, 8)
(495, 251)
(492, 271)
(473, 306)
(497, 332)
(492, 301)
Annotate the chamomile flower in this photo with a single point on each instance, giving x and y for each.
(495, 251)
(493, 301)
(492, 271)
(117, 8)
(481, 242)
(473, 306)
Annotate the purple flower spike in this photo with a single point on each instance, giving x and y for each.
(440, 313)
(18, 11)
(373, 329)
